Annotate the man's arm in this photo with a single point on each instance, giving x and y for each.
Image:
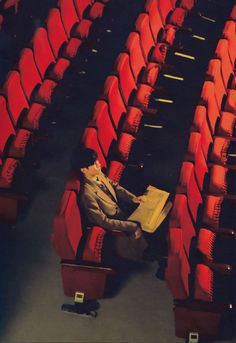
(122, 193)
(97, 217)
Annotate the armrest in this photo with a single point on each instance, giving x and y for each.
(87, 267)
(221, 268)
(228, 166)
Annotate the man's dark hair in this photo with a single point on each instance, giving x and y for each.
(83, 158)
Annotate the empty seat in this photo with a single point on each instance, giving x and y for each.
(74, 26)
(7, 130)
(209, 100)
(34, 88)
(180, 218)
(87, 9)
(229, 32)
(113, 147)
(187, 185)
(227, 70)
(219, 212)
(214, 72)
(47, 65)
(178, 268)
(217, 249)
(212, 287)
(222, 181)
(62, 46)
(170, 14)
(230, 104)
(195, 154)
(78, 274)
(223, 152)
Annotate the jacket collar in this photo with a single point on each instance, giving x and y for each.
(99, 191)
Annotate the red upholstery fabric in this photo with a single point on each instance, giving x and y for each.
(212, 210)
(205, 242)
(214, 71)
(200, 125)
(188, 185)
(213, 111)
(93, 246)
(203, 283)
(16, 99)
(177, 17)
(218, 180)
(90, 140)
(83, 29)
(7, 172)
(229, 32)
(230, 105)
(67, 229)
(178, 268)
(156, 24)
(219, 152)
(43, 54)
(233, 13)
(164, 7)
(91, 281)
(195, 155)
(112, 93)
(222, 53)
(132, 120)
(31, 122)
(142, 26)
(137, 61)
(126, 78)
(7, 129)
(227, 124)
(115, 171)
(69, 16)
(82, 6)
(96, 10)
(18, 146)
(124, 145)
(106, 134)
(180, 219)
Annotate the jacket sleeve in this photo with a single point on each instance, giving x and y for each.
(97, 217)
(122, 193)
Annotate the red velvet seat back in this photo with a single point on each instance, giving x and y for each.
(67, 228)
(68, 15)
(7, 129)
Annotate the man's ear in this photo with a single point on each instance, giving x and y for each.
(83, 170)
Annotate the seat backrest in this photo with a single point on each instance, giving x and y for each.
(105, 130)
(68, 15)
(203, 287)
(213, 111)
(137, 61)
(6, 130)
(90, 140)
(156, 24)
(180, 218)
(16, 100)
(29, 74)
(229, 32)
(126, 78)
(195, 155)
(178, 268)
(81, 7)
(67, 227)
(56, 32)
(164, 7)
(188, 185)
(214, 71)
(201, 125)
(43, 54)
(113, 96)
(222, 53)
(142, 26)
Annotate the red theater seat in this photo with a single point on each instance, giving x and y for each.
(180, 218)
(89, 9)
(78, 274)
(62, 46)
(229, 32)
(34, 88)
(178, 268)
(74, 26)
(47, 65)
(209, 100)
(227, 70)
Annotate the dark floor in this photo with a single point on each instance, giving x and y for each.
(31, 290)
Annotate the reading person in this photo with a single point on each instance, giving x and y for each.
(105, 203)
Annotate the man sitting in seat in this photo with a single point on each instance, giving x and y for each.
(105, 203)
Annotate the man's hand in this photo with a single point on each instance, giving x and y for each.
(139, 199)
(138, 233)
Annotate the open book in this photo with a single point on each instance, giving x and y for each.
(151, 213)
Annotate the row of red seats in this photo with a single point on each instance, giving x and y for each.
(29, 89)
(202, 223)
(5, 6)
(111, 132)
